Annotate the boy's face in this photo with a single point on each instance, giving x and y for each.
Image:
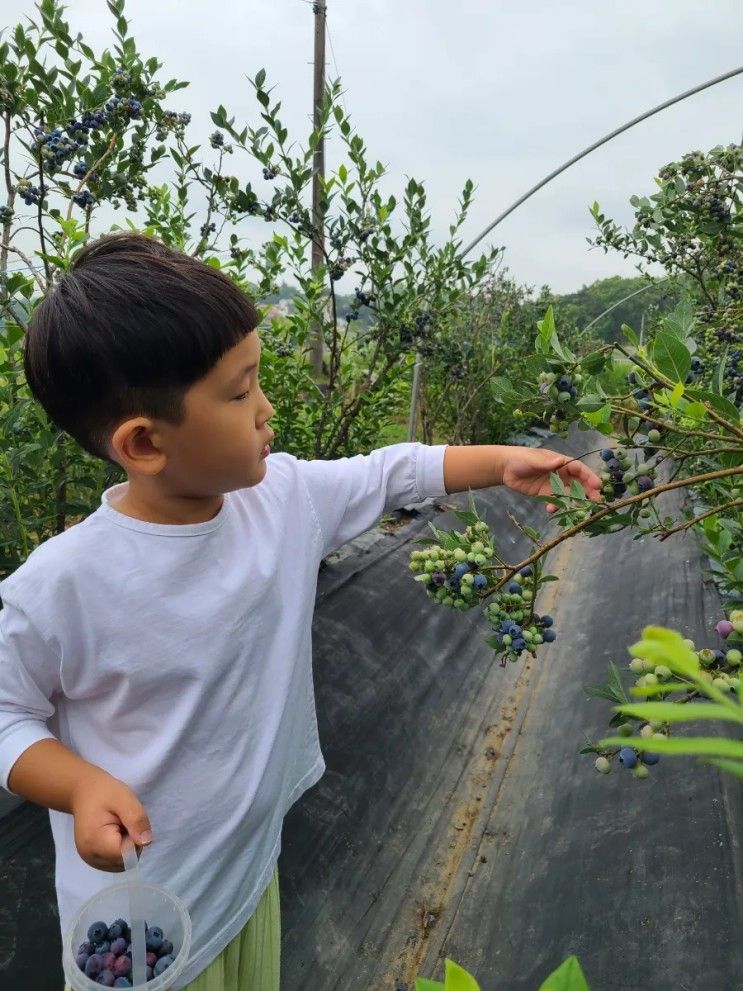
(220, 445)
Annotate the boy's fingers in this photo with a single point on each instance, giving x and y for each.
(136, 823)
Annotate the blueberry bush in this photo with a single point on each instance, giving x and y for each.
(486, 336)
(85, 134)
(672, 425)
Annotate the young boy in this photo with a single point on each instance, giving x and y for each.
(155, 658)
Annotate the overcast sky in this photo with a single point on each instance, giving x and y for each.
(498, 91)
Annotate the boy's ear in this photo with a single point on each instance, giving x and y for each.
(136, 446)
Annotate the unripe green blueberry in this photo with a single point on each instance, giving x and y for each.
(723, 684)
(633, 488)
(734, 658)
(480, 560)
(663, 673)
(537, 638)
(640, 682)
(527, 636)
(647, 730)
(625, 729)
(425, 578)
(636, 665)
(602, 764)
(519, 579)
(430, 566)
(648, 665)
(689, 644)
(645, 513)
(448, 600)
(527, 595)
(460, 555)
(564, 397)
(659, 736)
(640, 771)
(481, 527)
(734, 683)
(471, 556)
(467, 579)
(651, 679)
(654, 436)
(415, 566)
(706, 657)
(506, 639)
(478, 547)
(655, 725)
(466, 591)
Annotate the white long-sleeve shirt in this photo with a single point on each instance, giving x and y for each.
(179, 659)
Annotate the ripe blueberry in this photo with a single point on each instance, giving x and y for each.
(97, 932)
(162, 964)
(627, 757)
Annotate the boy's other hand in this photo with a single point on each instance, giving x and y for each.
(527, 470)
(105, 809)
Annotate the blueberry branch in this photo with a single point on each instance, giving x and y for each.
(611, 508)
(702, 516)
(712, 413)
(662, 423)
(104, 156)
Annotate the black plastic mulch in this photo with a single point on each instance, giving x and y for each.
(456, 817)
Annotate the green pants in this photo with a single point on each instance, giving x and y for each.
(251, 961)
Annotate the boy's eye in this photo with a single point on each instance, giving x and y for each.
(243, 395)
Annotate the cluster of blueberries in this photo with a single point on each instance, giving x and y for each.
(216, 140)
(106, 956)
(619, 476)
(271, 171)
(84, 198)
(124, 105)
(338, 268)
(207, 229)
(516, 628)
(720, 667)
(28, 193)
(734, 375)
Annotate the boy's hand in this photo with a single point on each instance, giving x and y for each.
(105, 809)
(527, 470)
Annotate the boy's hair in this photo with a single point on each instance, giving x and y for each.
(125, 332)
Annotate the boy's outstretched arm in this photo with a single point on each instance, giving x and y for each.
(523, 469)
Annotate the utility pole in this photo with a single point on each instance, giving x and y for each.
(318, 171)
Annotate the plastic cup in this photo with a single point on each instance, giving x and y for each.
(126, 900)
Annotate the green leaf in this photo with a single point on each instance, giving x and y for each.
(688, 746)
(567, 977)
(593, 363)
(456, 978)
(672, 712)
(556, 482)
(717, 402)
(260, 78)
(719, 374)
(671, 357)
(630, 335)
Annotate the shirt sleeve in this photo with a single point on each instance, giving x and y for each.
(349, 495)
(29, 677)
